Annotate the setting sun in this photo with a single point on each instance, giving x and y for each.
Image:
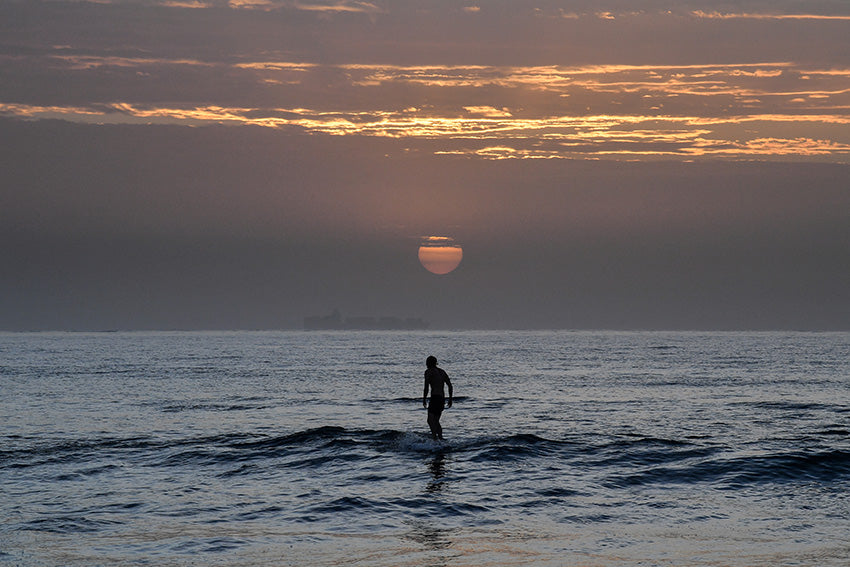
(440, 254)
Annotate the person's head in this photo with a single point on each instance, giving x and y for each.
(431, 361)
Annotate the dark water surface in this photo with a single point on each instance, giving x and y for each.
(289, 448)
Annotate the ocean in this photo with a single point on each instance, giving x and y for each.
(312, 448)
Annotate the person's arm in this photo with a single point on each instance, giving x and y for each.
(451, 391)
(425, 394)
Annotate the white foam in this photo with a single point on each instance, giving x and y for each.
(419, 442)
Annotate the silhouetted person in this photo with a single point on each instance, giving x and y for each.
(436, 379)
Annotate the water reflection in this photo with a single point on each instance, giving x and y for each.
(435, 542)
(437, 468)
(435, 539)
(431, 538)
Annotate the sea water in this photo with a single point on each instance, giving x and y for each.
(297, 448)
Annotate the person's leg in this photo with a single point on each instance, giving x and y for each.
(435, 410)
(434, 424)
(431, 424)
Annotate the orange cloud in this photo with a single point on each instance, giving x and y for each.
(251, 4)
(186, 4)
(339, 7)
(488, 111)
(508, 137)
(518, 112)
(83, 62)
(751, 16)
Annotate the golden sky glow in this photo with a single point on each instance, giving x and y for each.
(688, 111)
(747, 109)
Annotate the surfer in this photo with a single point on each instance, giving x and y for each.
(436, 379)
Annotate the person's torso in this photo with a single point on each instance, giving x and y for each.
(437, 380)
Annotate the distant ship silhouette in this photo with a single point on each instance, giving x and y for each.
(335, 321)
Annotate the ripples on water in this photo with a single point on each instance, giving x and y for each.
(310, 449)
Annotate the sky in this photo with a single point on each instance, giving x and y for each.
(243, 164)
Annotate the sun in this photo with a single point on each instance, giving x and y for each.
(439, 254)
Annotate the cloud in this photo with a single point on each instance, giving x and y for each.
(767, 16)
(87, 62)
(193, 4)
(589, 136)
(252, 4)
(492, 85)
(355, 7)
(437, 241)
(488, 111)
(594, 111)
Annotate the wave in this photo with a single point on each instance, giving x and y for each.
(415, 505)
(177, 408)
(68, 524)
(738, 472)
(521, 446)
(415, 400)
(615, 460)
(788, 406)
